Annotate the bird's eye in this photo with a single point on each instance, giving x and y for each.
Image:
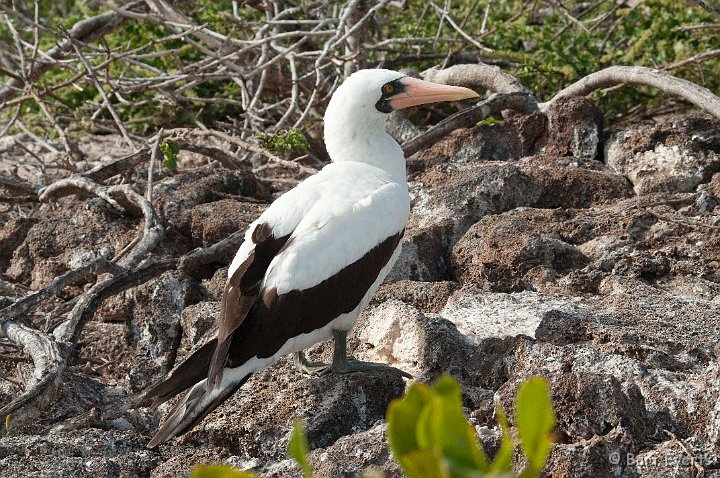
(388, 88)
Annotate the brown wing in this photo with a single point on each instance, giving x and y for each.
(241, 293)
(274, 318)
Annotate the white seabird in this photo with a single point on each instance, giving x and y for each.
(314, 258)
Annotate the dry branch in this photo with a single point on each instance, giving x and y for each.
(46, 358)
(23, 306)
(637, 75)
(475, 76)
(119, 166)
(699, 58)
(69, 331)
(17, 185)
(73, 184)
(153, 230)
(197, 258)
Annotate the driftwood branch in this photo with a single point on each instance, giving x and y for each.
(476, 76)
(23, 306)
(69, 331)
(73, 184)
(197, 258)
(45, 355)
(637, 75)
(17, 185)
(240, 143)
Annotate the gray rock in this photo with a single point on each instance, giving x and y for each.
(575, 128)
(448, 199)
(175, 197)
(155, 329)
(672, 157)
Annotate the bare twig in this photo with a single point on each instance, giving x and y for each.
(86, 31)
(151, 166)
(183, 132)
(699, 58)
(101, 90)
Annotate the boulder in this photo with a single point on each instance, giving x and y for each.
(447, 200)
(575, 128)
(175, 197)
(66, 238)
(673, 157)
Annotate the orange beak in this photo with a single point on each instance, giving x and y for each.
(419, 92)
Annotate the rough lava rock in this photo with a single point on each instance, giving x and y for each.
(66, 238)
(575, 128)
(675, 156)
(522, 259)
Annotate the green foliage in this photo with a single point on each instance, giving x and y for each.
(291, 140)
(503, 458)
(549, 51)
(489, 122)
(535, 420)
(299, 450)
(169, 151)
(219, 471)
(430, 437)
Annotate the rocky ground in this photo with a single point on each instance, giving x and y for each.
(545, 245)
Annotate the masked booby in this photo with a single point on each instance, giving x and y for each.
(313, 259)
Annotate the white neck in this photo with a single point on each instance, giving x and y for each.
(357, 137)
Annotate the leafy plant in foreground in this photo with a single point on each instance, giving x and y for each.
(219, 471)
(299, 449)
(430, 437)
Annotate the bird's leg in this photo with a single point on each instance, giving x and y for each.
(304, 365)
(341, 363)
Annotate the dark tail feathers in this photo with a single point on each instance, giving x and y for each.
(195, 406)
(193, 370)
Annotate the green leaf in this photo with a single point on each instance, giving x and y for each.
(426, 463)
(299, 450)
(170, 151)
(454, 434)
(219, 471)
(535, 420)
(429, 435)
(403, 415)
(489, 122)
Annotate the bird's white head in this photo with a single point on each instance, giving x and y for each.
(355, 117)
